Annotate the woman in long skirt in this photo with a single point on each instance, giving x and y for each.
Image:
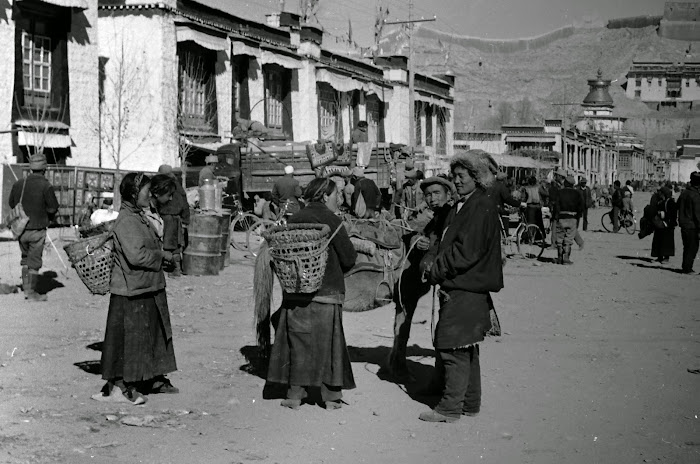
(309, 348)
(137, 351)
(663, 244)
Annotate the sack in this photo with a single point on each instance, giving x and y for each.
(17, 220)
(360, 206)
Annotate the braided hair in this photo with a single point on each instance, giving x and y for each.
(317, 188)
(131, 185)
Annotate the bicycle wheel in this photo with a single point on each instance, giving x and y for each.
(606, 220)
(530, 242)
(238, 233)
(254, 236)
(630, 224)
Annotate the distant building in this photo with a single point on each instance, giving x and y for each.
(665, 85)
(680, 21)
(491, 141)
(686, 162)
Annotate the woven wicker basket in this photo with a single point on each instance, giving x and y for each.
(92, 259)
(90, 231)
(299, 253)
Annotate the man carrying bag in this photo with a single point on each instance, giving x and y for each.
(37, 197)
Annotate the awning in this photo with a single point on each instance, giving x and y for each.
(526, 139)
(240, 48)
(349, 83)
(46, 140)
(285, 61)
(208, 41)
(432, 100)
(82, 4)
(511, 161)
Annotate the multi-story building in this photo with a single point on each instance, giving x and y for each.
(686, 162)
(665, 84)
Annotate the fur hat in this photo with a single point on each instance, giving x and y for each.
(410, 173)
(560, 172)
(358, 172)
(501, 175)
(476, 164)
(438, 180)
(569, 181)
(211, 159)
(165, 169)
(289, 169)
(37, 162)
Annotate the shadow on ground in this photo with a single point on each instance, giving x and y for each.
(91, 367)
(636, 258)
(47, 282)
(674, 270)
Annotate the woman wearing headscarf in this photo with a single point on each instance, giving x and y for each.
(663, 244)
(467, 268)
(137, 351)
(309, 348)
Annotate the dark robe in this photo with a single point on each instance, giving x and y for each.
(309, 347)
(663, 244)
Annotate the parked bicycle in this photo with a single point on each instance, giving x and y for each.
(626, 221)
(254, 226)
(526, 239)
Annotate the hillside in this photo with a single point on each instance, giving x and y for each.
(520, 86)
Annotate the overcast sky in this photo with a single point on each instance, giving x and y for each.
(480, 18)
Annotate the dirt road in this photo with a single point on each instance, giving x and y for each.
(593, 367)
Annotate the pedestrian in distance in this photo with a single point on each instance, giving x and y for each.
(286, 190)
(309, 348)
(616, 200)
(568, 208)
(663, 244)
(531, 196)
(137, 352)
(37, 196)
(467, 267)
(587, 200)
(689, 221)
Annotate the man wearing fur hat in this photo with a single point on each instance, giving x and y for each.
(40, 204)
(467, 267)
(287, 191)
(438, 195)
(567, 209)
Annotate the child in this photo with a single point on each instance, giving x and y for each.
(627, 205)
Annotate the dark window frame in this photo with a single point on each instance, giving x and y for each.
(197, 102)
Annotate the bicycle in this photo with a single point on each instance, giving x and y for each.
(241, 223)
(253, 231)
(626, 221)
(526, 240)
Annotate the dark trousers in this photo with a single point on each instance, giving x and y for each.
(410, 291)
(691, 243)
(462, 391)
(31, 244)
(585, 219)
(615, 213)
(533, 215)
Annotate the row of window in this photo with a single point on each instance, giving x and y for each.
(425, 110)
(670, 82)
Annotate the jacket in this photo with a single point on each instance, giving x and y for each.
(39, 200)
(341, 255)
(178, 206)
(617, 197)
(286, 188)
(469, 255)
(689, 208)
(586, 195)
(568, 203)
(138, 256)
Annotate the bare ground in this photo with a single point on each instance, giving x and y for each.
(593, 367)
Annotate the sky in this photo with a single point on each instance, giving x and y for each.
(498, 19)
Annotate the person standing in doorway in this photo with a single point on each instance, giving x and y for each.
(39, 201)
(689, 221)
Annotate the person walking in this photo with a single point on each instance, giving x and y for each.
(175, 214)
(533, 200)
(137, 352)
(616, 200)
(663, 244)
(39, 201)
(309, 348)
(467, 267)
(409, 289)
(689, 221)
(568, 207)
(556, 184)
(587, 200)
(287, 191)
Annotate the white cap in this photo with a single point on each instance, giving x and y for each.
(288, 169)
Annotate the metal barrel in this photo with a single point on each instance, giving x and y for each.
(225, 224)
(203, 253)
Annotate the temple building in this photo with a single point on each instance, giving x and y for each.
(664, 84)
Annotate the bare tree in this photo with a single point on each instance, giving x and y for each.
(35, 119)
(123, 98)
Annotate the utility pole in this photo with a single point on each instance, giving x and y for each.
(411, 72)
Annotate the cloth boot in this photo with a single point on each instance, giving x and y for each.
(177, 265)
(26, 288)
(33, 280)
(567, 255)
(560, 255)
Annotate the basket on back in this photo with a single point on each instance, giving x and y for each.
(92, 259)
(299, 253)
(90, 231)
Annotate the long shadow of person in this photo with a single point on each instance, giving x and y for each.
(670, 269)
(636, 258)
(47, 282)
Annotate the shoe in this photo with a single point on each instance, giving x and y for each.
(163, 385)
(291, 404)
(560, 255)
(134, 396)
(25, 282)
(31, 294)
(470, 413)
(329, 405)
(177, 267)
(433, 416)
(566, 255)
(110, 394)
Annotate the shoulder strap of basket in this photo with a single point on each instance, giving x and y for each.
(331, 237)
